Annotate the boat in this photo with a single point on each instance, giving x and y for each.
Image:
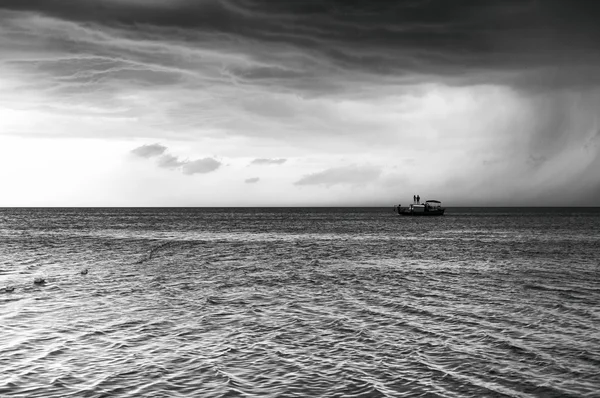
(428, 208)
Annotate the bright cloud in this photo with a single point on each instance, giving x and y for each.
(353, 175)
(268, 161)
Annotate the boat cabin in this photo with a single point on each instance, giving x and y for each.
(433, 204)
(428, 208)
(420, 208)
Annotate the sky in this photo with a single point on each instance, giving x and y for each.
(299, 103)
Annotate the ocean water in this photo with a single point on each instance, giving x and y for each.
(299, 303)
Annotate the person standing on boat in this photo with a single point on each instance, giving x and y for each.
(418, 199)
(414, 198)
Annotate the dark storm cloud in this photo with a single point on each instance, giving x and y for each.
(434, 37)
(148, 151)
(268, 161)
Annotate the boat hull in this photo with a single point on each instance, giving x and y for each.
(422, 214)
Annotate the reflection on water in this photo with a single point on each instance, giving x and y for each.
(299, 302)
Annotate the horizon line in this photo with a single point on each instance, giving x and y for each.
(295, 207)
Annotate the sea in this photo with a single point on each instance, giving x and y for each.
(299, 302)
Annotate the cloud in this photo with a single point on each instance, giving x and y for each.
(353, 175)
(148, 151)
(593, 141)
(510, 86)
(252, 180)
(327, 45)
(172, 162)
(169, 161)
(201, 166)
(268, 161)
(536, 161)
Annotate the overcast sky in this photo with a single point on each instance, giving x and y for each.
(292, 103)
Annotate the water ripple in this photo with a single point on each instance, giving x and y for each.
(221, 303)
